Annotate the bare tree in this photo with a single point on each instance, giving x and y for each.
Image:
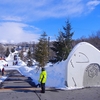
(2, 50)
(93, 39)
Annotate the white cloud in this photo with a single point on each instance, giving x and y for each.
(10, 18)
(92, 4)
(14, 11)
(37, 9)
(15, 33)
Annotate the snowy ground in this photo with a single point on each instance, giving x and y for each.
(55, 73)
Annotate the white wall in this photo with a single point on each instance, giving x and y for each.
(78, 69)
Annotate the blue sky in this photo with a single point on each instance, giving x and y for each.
(26, 20)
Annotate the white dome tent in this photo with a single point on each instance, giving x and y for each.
(83, 66)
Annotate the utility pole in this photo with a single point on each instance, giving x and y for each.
(48, 46)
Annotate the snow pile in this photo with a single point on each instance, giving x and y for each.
(55, 73)
(10, 59)
(3, 78)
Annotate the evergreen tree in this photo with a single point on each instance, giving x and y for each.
(67, 34)
(7, 52)
(63, 44)
(41, 51)
(13, 49)
(29, 55)
(58, 47)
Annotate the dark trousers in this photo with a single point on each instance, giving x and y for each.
(43, 87)
(2, 71)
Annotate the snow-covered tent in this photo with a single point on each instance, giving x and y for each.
(83, 66)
